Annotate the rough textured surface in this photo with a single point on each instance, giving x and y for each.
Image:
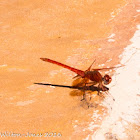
(72, 32)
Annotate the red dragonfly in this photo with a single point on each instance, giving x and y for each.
(94, 75)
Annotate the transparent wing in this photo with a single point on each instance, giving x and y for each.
(109, 68)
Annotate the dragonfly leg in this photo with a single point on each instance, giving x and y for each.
(100, 86)
(98, 92)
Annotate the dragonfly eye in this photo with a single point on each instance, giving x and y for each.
(107, 79)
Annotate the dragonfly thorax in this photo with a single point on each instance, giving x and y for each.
(94, 76)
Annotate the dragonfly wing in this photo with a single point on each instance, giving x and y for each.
(91, 65)
(109, 68)
(77, 76)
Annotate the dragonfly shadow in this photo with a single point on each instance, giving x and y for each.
(78, 82)
(76, 93)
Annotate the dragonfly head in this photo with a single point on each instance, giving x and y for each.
(107, 79)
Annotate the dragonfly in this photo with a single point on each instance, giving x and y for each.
(90, 74)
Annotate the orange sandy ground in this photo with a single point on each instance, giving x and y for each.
(72, 32)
